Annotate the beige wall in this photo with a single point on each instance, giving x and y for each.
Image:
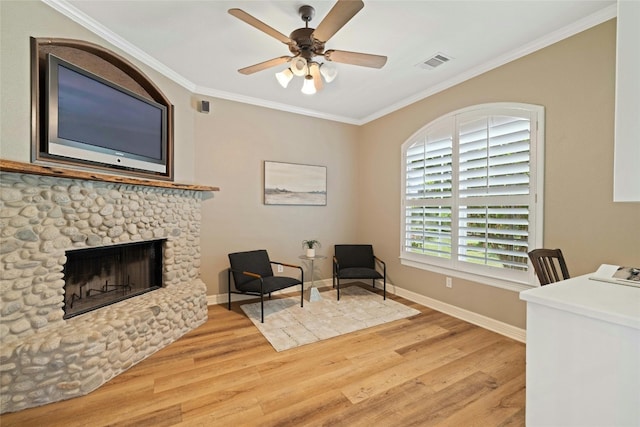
(233, 141)
(573, 79)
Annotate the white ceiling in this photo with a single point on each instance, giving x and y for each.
(201, 46)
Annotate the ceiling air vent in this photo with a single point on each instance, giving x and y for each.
(435, 61)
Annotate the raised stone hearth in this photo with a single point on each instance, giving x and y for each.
(45, 358)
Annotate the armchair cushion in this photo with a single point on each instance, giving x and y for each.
(358, 273)
(271, 284)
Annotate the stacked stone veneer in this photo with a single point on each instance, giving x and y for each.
(45, 358)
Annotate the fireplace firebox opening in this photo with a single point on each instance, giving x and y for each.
(97, 277)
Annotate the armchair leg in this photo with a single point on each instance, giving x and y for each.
(229, 281)
(384, 278)
(338, 288)
(261, 308)
(262, 300)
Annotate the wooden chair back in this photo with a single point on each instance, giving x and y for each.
(549, 264)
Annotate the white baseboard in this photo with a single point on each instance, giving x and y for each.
(502, 328)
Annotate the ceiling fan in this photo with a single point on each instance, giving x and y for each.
(305, 44)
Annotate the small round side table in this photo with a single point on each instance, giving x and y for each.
(314, 294)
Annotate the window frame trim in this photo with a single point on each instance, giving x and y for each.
(536, 187)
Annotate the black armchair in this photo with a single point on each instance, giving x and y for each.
(253, 275)
(357, 262)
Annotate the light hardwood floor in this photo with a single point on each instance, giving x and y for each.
(430, 369)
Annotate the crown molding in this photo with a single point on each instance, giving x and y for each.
(200, 90)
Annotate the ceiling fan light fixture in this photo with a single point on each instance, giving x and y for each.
(284, 77)
(299, 66)
(305, 44)
(328, 71)
(308, 88)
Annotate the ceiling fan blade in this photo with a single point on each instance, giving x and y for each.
(355, 58)
(256, 23)
(338, 16)
(314, 70)
(264, 65)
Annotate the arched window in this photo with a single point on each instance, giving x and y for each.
(472, 194)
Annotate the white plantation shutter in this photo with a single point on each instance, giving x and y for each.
(470, 184)
(494, 235)
(428, 192)
(428, 231)
(494, 156)
(494, 172)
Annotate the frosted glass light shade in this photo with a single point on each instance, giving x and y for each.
(284, 77)
(299, 66)
(314, 70)
(308, 88)
(328, 71)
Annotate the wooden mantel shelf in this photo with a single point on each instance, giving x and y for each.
(30, 168)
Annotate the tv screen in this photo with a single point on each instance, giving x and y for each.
(93, 120)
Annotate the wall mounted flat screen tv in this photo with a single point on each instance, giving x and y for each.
(93, 120)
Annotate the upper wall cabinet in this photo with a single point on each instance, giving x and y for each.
(626, 169)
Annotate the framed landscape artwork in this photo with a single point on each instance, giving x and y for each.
(294, 184)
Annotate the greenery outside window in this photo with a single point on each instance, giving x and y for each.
(472, 194)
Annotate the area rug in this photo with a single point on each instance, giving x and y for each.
(287, 325)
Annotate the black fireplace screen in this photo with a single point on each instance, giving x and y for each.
(96, 277)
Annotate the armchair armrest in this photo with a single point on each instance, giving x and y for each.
(246, 273)
(291, 266)
(285, 264)
(384, 266)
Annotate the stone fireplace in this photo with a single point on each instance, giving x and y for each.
(47, 356)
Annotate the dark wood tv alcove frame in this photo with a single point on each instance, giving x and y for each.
(105, 64)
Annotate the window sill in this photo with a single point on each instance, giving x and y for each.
(473, 277)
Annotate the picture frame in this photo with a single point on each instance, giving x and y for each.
(294, 184)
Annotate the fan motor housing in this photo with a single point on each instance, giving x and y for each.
(304, 42)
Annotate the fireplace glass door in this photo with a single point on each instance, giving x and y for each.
(97, 277)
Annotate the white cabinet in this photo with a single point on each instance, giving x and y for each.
(583, 354)
(626, 173)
